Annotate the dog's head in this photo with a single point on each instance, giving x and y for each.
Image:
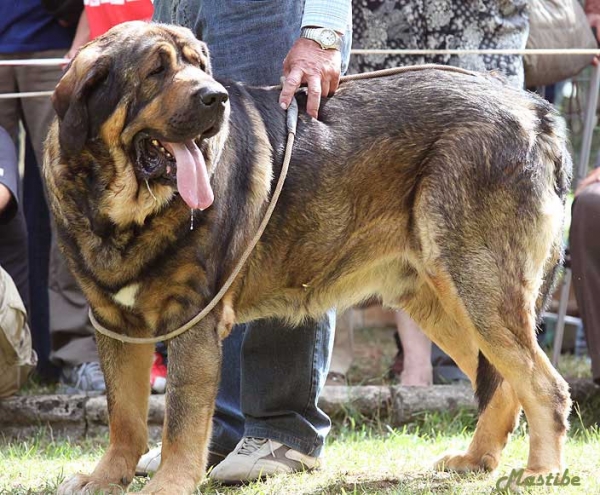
(143, 94)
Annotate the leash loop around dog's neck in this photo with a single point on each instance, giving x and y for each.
(292, 118)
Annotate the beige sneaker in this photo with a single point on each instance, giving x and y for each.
(150, 461)
(255, 458)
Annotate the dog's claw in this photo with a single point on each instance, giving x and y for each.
(463, 462)
(82, 484)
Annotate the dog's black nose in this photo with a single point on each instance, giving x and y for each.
(212, 96)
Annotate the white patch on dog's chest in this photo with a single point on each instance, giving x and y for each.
(126, 296)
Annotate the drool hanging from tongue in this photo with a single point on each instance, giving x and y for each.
(192, 176)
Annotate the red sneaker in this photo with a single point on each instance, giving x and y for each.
(158, 374)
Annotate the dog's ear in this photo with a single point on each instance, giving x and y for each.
(194, 49)
(85, 72)
(196, 52)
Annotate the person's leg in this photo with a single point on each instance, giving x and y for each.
(416, 345)
(280, 389)
(283, 368)
(283, 372)
(235, 33)
(71, 331)
(72, 336)
(38, 231)
(228, 420)
(17, 359)
(343, 348)
(585, 263)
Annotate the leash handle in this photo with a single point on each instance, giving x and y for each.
(291, 119)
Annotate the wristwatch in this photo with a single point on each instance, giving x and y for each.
(327, 38)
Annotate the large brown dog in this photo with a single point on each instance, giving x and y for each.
(440, 192)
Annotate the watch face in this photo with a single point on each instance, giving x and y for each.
(328, 37)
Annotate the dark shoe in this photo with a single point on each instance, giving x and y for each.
(448, 374)
(393, 374)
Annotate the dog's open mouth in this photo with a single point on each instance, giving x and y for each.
(158, 159)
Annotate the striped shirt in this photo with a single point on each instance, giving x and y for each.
(333, 14)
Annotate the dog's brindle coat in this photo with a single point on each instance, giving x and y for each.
(442, 193)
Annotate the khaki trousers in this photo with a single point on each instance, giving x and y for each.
(17, 358)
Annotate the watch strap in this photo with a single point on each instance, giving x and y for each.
(314, 34)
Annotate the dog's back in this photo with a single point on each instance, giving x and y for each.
(409, 156)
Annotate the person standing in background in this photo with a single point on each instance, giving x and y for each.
(584, 242)
(29, 31)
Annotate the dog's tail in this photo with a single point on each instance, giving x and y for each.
(488, 380)
(552, 151)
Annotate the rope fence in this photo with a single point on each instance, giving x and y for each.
(34, 62)
(30, 94)
(494, 51)
(491, 51)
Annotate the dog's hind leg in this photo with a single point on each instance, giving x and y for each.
(491, 290)
(540, 389)
(126, 370)
(500, 417)
(488, 229)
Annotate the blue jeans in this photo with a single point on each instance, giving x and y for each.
(278, 379)
(272, 392)
(247, 39)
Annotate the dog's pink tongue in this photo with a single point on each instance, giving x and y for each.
(192, 176)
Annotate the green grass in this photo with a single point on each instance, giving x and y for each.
(359, 459)
(363, 455)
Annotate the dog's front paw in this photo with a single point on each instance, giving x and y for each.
(82, 484)
(463, 462)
